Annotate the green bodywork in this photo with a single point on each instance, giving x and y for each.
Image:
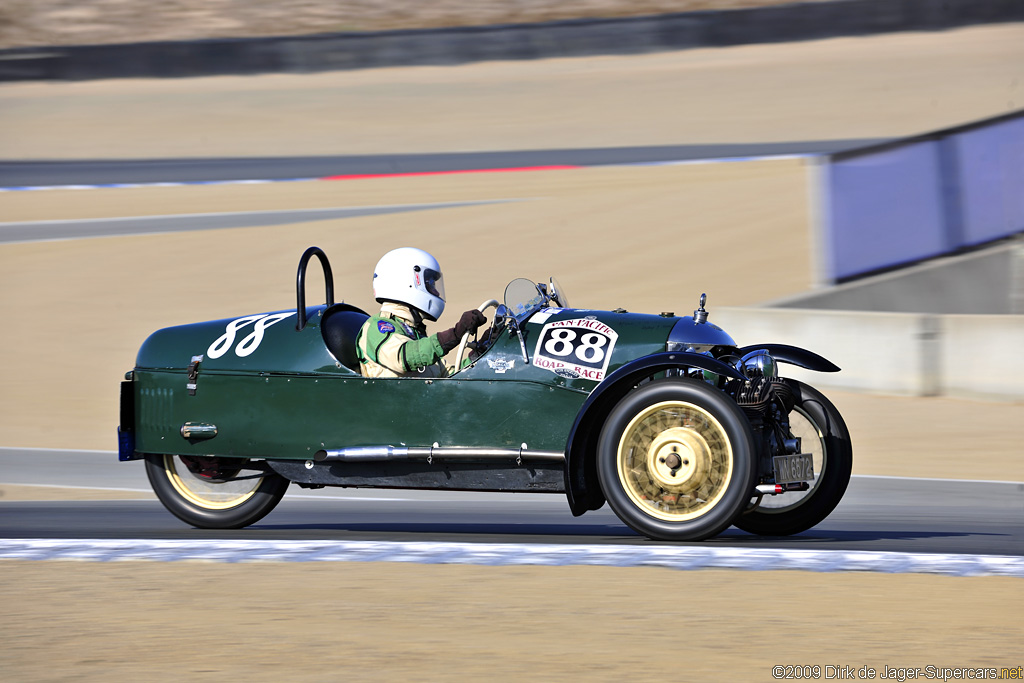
(272, 391)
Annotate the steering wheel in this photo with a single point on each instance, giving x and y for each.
(490, 303)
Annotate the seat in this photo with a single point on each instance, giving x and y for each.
(340, 326)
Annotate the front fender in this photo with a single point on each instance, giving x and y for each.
(582, 488)
(794, 355)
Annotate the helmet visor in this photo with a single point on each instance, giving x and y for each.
(433, 283)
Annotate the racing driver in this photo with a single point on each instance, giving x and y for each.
(407, 282)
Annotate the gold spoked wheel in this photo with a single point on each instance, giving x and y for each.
(211, 483)
(675, 461)
(215, 492)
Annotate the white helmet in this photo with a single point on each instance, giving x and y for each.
(412, 277)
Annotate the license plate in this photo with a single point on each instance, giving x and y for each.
(790, 469)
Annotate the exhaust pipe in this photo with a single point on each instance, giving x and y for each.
(385, 453)
(775, 489)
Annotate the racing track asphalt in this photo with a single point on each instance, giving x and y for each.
(35, 231)
(16, 174)
(877, 514)
(24, 175)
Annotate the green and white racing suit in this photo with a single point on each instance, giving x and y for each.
(391, 344)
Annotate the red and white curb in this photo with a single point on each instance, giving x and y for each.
(408, 174)
(509, 554)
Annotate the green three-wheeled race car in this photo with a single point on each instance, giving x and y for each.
(682, 432)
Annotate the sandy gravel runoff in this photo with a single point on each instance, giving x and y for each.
(647, 239)
(891, 85)
(385, 622)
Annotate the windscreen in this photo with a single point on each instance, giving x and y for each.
(522, 297)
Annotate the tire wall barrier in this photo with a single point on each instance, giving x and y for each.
(573, 38)
(897, 203)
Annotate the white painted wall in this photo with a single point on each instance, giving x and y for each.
(894, 353)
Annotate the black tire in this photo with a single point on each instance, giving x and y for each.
(675, 460)
(222, 495)
(824, 433)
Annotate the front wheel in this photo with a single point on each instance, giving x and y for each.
(824, 435)
(214, 493)
(675, 460)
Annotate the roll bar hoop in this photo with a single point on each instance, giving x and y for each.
(300, 283)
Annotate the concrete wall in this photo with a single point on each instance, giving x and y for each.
(980, 356)
(989, 281)
(975, 356)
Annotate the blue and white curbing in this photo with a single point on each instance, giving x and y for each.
(508, 554)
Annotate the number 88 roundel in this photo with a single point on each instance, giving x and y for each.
(576, 348)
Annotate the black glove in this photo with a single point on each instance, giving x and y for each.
(469, 322)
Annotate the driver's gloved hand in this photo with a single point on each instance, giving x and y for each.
(484, 342)
(469, 322)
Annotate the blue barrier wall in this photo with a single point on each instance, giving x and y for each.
(991, 180)
(914, 199)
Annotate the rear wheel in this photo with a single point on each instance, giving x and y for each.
(823, 434)
(214, 493)
(675, 460)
